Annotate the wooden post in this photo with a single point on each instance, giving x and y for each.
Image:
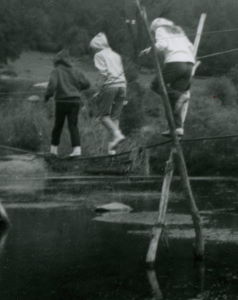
(147, 162)
(152, 278)
(157, 229)
(199, 33)
(3, 237)
(199, 242)
(195, 47)
(4, 220)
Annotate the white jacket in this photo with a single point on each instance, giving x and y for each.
(175, 46)
(108, 62)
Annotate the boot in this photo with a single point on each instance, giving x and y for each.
(76, 151)
(54, 150)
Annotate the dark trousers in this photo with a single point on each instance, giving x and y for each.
(177, 77)
(70, 111)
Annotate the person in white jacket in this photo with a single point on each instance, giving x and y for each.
(177, 54)
(112, 94)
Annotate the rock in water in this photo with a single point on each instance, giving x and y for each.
(113, 207)
(33, 98)
(41, 84)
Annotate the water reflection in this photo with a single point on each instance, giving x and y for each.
(3, 238)
(196, 286)
(56, 251)
(154, 283)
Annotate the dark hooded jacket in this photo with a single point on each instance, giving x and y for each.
(65, 82)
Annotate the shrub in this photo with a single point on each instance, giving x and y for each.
(223, 89)
(131, 69)
(132, 117)
(19, 126)
(233, 75)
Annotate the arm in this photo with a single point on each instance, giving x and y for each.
(100, 64)
(161, 42)
(51, 86)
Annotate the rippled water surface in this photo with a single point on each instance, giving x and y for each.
(55, 249)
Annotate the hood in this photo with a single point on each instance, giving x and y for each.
(63, 58)
(160, 22)
(99, 42)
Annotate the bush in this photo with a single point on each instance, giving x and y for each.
(223, 89)
(22, 121)
(208, 118)
(19, 126)
(233, 75)
(132, 117)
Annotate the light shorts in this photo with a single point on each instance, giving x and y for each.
(110, 102)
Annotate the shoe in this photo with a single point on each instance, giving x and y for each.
(117, 140)
(178, 131)
(112, 152)
(54, 150)
(166, 133)
(76, 152)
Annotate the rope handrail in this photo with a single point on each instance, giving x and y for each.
(218, 53)
(140, 148)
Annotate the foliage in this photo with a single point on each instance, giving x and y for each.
(48, 25)
(233, 75)
(10, 30)
(223, 89)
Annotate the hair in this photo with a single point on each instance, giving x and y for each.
(174, 29)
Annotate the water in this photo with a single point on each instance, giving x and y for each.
(56, 250)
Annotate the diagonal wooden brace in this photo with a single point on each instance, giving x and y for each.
(160, 223)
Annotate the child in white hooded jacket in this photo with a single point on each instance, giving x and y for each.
(112, 94)
(177, 68)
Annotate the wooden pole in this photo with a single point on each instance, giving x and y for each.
(160, 223)
(197, 64)
(147, 162)
(199, 33)
(199, 242)
(154, 283)
(4, 220)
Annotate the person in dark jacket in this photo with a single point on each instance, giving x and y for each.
(65, 85)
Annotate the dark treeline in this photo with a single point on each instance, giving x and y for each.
(48, 25)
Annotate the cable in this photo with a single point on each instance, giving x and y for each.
(129, 151)
(216, 31)
(218, 53)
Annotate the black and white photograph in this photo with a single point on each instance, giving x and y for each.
(119, 149)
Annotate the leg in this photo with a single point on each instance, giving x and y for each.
(117, 106)
(182, 106)
(178, 79)
(107, 117)
(104, 104)
(117, 123)
(170, 76)
(72, 116)
(182, 85)
(59, 123)
(110, 125)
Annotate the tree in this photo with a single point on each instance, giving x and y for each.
(10, 30)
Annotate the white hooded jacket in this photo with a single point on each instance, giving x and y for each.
(175, 45)
(108, 62)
